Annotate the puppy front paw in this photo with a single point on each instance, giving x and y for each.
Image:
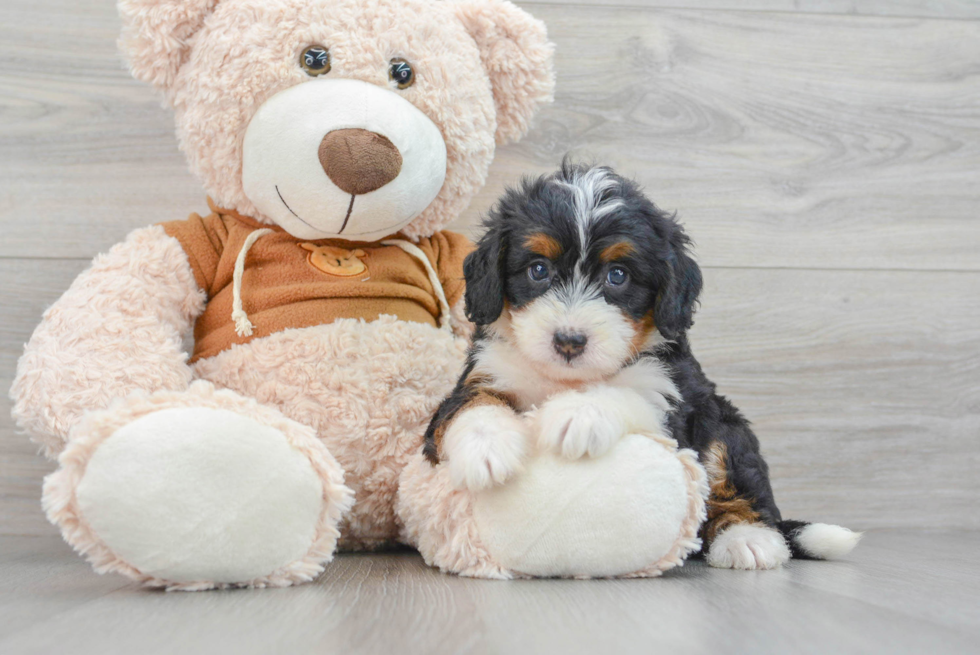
(576, 424)
(484, 446)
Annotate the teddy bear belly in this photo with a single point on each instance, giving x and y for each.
(367, 388)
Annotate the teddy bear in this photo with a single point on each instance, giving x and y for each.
(233, 397)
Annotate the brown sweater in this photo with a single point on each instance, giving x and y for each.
(293, 283)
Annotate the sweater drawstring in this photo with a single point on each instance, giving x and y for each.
(415, 251)
(243, 327)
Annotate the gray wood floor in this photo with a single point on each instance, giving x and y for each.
(899, 592)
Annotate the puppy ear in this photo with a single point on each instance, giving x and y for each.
(517, 56)
(673, 311)
(156, 36)
(484, 282)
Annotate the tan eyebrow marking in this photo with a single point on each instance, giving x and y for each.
(543, 245)
(616, 251)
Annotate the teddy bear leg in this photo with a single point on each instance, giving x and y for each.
(196, 490)
(633, 512)
(438, 520)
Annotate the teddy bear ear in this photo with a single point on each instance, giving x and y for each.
(518, 58)
(156, 34)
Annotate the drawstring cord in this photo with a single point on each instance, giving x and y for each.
(243, 327)
(415, 251)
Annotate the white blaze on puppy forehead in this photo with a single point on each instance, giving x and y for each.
(588, 189)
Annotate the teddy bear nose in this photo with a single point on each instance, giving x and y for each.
(359, 161)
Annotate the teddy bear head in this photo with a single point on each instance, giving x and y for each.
(350, 119)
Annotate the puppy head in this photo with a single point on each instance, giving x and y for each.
(581, 272)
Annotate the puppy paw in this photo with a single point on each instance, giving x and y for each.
(576, 424)
(484, 446)
(748, 547)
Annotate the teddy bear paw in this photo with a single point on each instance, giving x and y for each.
(199, 497)
(484, 446)
(575, 426)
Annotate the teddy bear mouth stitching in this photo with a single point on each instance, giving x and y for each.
(350, 208)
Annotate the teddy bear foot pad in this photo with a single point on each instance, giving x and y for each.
(633, 512)
(199, 497)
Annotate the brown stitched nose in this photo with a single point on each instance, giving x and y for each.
(359, 161)
(570, 344)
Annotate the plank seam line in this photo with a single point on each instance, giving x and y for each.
(705, 267)
(729, 10)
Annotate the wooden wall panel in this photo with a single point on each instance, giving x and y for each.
(783, 139)
(907, 8)
(863, 387)
(823, 154)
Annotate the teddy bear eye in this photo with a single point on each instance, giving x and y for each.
(315, 60)
(400, 72)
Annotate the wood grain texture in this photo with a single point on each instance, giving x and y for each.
(905, 8)
(27, 287)
(899, 592)
(864, 387)
(783, 139)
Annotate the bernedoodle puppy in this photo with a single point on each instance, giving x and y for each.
(581, 282)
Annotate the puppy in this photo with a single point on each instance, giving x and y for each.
(582, 292)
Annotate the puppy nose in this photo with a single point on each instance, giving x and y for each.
(359, 161)
(570, 344)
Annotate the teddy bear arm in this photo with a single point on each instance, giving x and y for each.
(462, 327)
(119, 328)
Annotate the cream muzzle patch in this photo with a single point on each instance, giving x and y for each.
(357, 161)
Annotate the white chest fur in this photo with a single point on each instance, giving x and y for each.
(510, 372)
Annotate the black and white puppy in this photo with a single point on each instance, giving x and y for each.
(582, 292)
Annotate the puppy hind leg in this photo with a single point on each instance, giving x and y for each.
(735, 535)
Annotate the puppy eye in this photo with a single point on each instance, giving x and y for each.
(315, 60)
(617, 276)
(400, 72)
(538, 272)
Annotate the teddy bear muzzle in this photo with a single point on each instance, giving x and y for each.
(342, 158)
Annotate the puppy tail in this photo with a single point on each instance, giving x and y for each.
(818, 540)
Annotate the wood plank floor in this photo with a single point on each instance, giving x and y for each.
(899, 592)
